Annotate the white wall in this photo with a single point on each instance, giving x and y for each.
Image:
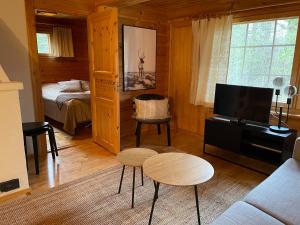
(15, 62)
(14, 51)
(12, 160)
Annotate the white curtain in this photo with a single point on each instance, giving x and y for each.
(211, 47)
(62, 42)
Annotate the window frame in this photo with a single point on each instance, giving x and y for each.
(49, 43)
(295, 73)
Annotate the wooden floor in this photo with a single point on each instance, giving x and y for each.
(82, 157)
(78, 157)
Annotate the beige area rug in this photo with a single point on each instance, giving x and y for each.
(94, 200)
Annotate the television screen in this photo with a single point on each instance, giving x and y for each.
(243, 103)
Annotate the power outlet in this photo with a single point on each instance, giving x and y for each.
(9, 185)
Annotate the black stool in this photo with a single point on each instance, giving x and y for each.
(158, 122)
(34, 129)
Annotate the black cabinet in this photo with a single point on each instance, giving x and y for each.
(253, 140)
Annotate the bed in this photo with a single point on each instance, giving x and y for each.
(70, 111)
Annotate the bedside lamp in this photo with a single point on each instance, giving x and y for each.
(290, 91)
(277, 83)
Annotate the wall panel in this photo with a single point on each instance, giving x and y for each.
(143, 17)
(54, 69)
(186, 116)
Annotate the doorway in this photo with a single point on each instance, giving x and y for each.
(62, 47)
(102, 30)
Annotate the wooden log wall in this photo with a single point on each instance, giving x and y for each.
(54, 69)
(187, 116)
(148, 18)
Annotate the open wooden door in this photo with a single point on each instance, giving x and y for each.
(104, 77)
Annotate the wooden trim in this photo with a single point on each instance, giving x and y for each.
(34, 61)
(284, 11)
(72, 7)
(35, 71)
(16, 194)
(295, 78)
(117, 3)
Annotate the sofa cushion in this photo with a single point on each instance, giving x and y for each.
(241, 213)
(279, 194)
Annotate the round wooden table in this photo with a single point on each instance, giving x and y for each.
(134, 157)
(177, 169)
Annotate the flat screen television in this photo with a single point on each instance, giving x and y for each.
(243, 103)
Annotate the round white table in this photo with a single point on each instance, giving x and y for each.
(177, 169)
(134, 157)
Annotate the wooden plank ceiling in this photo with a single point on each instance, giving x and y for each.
(182, 8)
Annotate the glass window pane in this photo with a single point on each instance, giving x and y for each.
(238, 37)
(282, 60)
(235, 68)
(261, 33)
(257, 57)
(286, 32)
(43, 43)
(258, 80)
(257, 60)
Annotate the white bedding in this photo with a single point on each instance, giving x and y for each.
(50, 93)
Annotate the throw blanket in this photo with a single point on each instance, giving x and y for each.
(61, 99)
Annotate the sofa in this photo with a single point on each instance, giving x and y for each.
(275, 201)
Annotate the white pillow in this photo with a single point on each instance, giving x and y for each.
(70, 86)
(152, 109)
(85, 85)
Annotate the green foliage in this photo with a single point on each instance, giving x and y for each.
(261, 51)
(43, 43)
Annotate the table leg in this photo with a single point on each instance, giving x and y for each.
(51, 143)
(120, 186)
(25, 148)
(138, 134)
(169, 134)
(54, 140)
(156, 185)
(36, 154)
(133, 184)
(197, 204)
(142, 174)
(158, 129)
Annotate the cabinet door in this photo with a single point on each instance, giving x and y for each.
(225, 135)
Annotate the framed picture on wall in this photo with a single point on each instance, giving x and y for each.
(139, 58)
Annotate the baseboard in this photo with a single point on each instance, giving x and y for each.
(15, 194)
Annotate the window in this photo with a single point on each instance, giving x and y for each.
(43, 43)
(262, 51)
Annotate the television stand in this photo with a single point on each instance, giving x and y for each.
(254, 140)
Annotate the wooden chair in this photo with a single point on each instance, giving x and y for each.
(158, 122)
(34, 129)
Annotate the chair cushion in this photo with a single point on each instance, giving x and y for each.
(279, 194)
(241, 213)
(152, 109)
